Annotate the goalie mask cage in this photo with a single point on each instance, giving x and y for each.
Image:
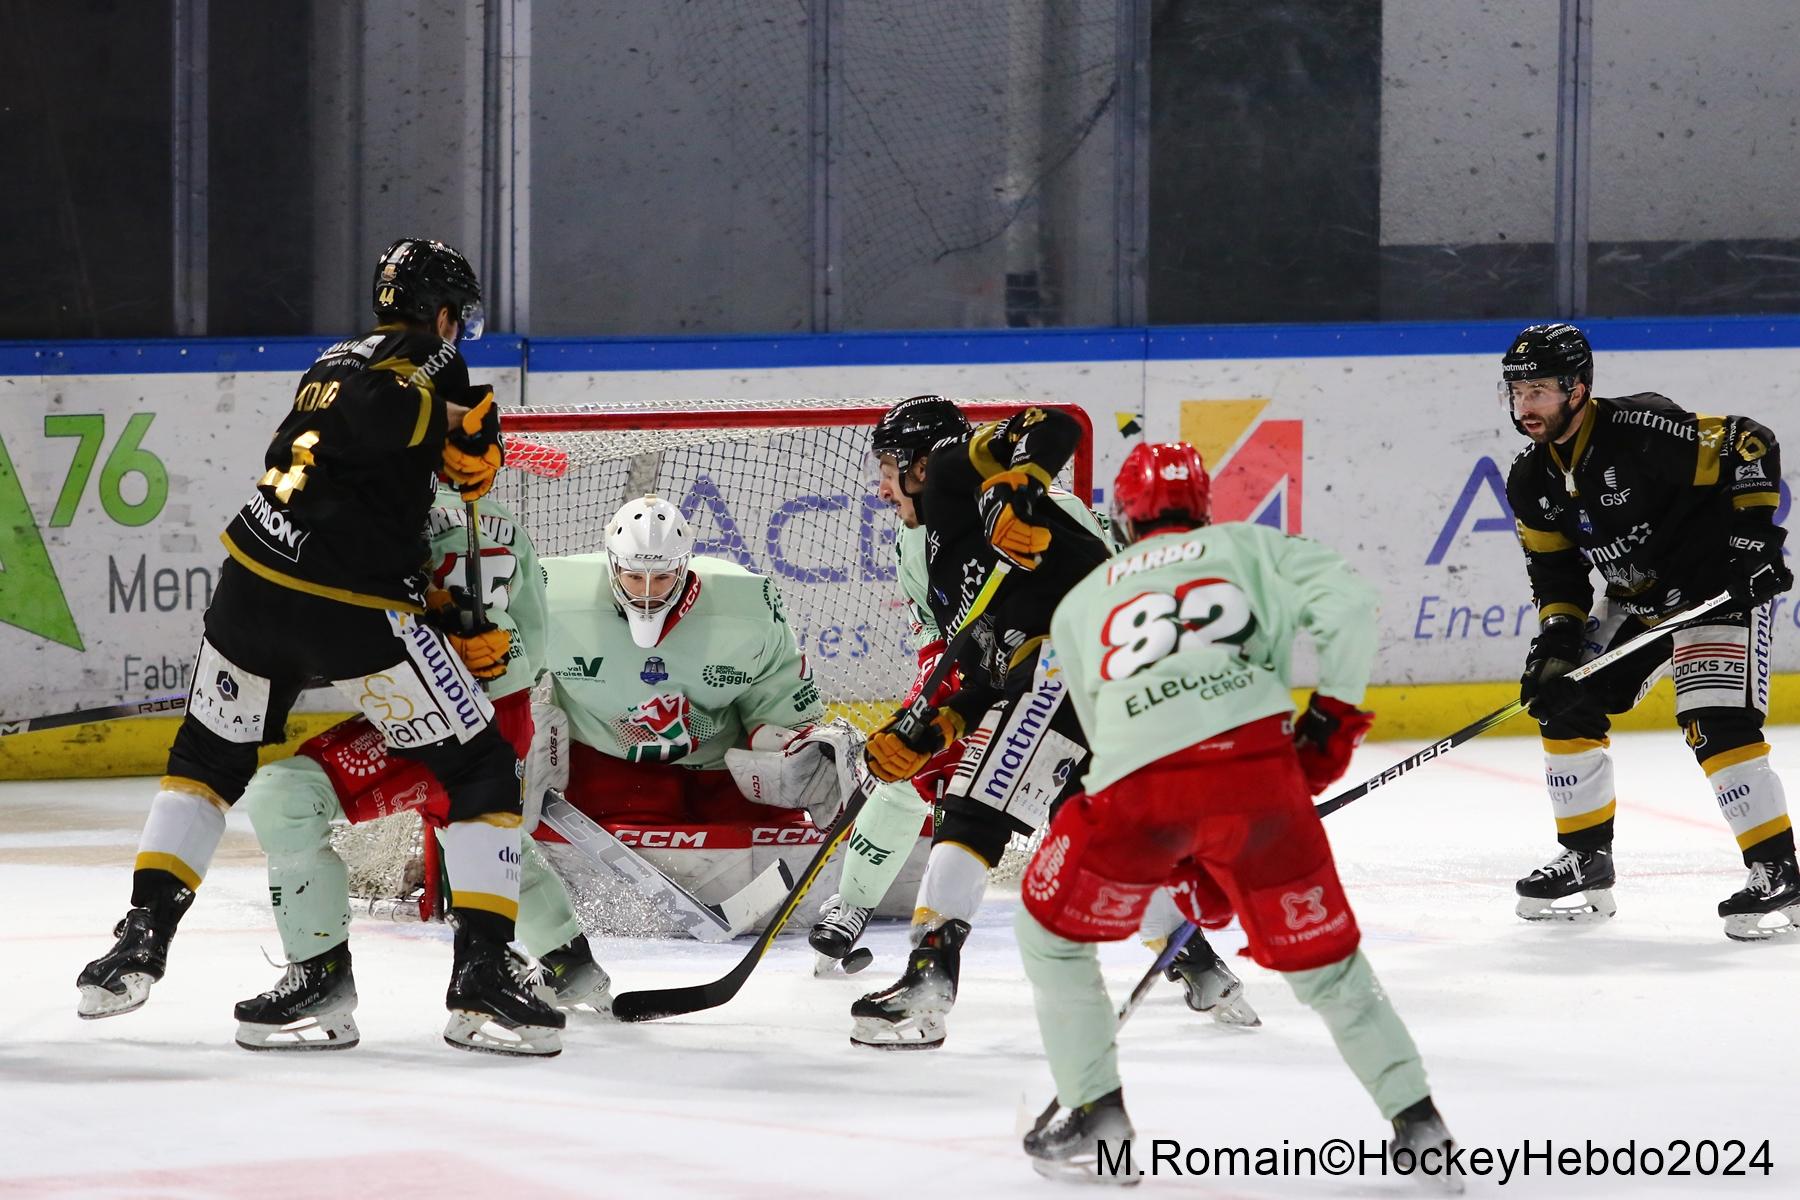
(785, 488)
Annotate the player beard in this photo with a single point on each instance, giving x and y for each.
(1555, 427)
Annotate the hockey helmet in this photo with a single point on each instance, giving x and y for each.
(648, 536)
(912, 427)
(418, 276)
(1160, 483)
(1556, 351)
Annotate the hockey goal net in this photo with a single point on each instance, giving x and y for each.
(785, 488)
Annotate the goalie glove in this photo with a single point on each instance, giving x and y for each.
(483, 646)
(901, 748)
(1008, 504)
(547, 761)
(473, 451)
(812, 768)
(1325, 736)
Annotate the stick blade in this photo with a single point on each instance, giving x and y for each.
(653, 1004)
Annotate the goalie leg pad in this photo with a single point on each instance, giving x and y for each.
(291, 804)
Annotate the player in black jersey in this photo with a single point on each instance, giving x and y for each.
(1671, 508)
(982, 494)
(325, 581)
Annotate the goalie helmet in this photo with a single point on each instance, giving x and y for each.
(648, 536)
(418, 276)
(913, 426)
(1160, 483)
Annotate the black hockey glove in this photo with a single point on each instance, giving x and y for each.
(473, 451)
(1009, 504)
(1755, 571)
(1544, 689)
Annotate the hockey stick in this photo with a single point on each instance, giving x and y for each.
(1513, 709)
(1171, 948)
(654, 1003)
(155, 706)
(706, 922)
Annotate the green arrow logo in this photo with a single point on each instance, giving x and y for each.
(31, 596)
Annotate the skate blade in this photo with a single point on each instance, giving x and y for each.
(1236, 1013)
(1749, 927)
(827, 967)
(597, 999)
(97, 1002)
(1596, 905)
(1081, 1169)
(328, 1031)
(483, 1033)
(923, 1032)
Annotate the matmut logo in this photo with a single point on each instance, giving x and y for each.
(1257, 466)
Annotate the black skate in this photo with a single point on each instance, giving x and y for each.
(1582, 876)
(1773, 890)
(1089, 1145)
(1417, 1130)
(1210, 986)
(309, 1009)
(575, 979)
(119, 980)
(491, 1009)
(834, 937)
(910, 1014)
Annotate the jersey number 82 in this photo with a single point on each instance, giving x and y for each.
(1151, 625)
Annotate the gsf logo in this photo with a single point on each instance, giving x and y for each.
(1613, 499)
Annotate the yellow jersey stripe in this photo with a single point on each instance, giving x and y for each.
(1542, 541)
(486, 902)
(1763, 832)
(341, 595)
(1731, 758)
(1587, 820)
(193, 787)
(151, 861)
(1574, 745)
(1706, 457)
(1756, 500)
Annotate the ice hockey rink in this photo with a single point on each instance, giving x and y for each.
(1647, 1030)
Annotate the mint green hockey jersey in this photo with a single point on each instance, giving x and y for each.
(726, 663)
(910, 547)
(1183, 636)
(512, 581)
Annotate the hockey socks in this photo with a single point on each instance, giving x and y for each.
(546, 920)
(481, 856)
(1375, 1045)
(1751, 800)
(181, 834)
(955, 881)
(1075, 1017)
(886, 830)
(291, 805)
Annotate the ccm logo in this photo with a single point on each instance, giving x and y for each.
(671, 839)
(785, 835)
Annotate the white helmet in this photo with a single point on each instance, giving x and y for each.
(650, 536)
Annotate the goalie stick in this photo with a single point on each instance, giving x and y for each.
(1180, 937)
(654, 1003)
(706, 922)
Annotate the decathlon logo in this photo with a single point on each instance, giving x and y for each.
(1304, 908)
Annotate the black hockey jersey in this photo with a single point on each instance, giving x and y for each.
(1644, 493)
(958, 556)
(340, 512)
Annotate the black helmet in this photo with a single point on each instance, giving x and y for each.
(913, 426)
(1558, 351)
(418, 276)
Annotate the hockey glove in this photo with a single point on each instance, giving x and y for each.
(473, 449)
(1544, 690)
(1755, 571)
(929, 654)
(901, 748)
(1325, 736)
(483, 646)
(1009, 504)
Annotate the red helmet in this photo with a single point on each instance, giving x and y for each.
(1160, 482)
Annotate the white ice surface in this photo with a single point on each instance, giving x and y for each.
(1650, 1027)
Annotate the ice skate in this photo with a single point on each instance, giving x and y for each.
(575, 980)
(119, 980)
(1210, 986)
(308, 1009)
(1070, 1148)
(1418, 1129)
(1772, 893)
(1582, 878)
(910, 1014)
(491, 1009)
(834, 937)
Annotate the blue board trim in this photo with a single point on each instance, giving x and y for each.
(928, 348)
